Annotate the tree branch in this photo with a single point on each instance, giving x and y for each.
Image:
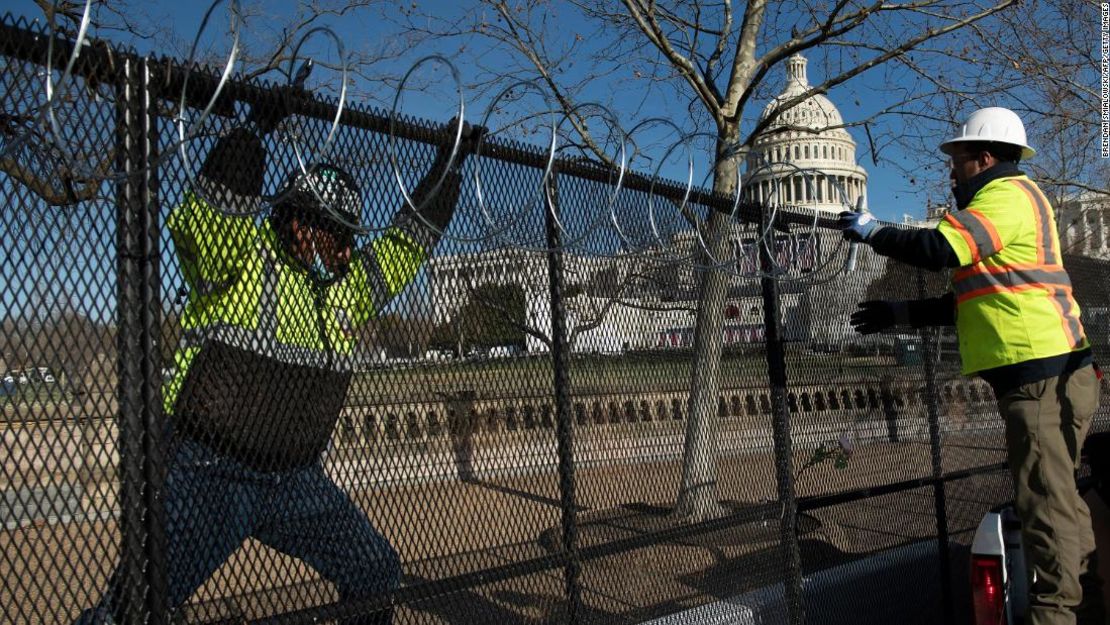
(45, 190)
(882, 58)
(505, 314)
(650, 28)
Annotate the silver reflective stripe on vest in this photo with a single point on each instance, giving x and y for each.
(207, 287)
(419, 234)
(263, 345)
(1045, 232)
(1054, 281)
(1066, 303)
(978, 231)
(375, 280)
(1011, 279)
(263, 341)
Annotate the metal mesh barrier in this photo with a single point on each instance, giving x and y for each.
(218, 407)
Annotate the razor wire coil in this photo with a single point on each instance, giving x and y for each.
(566, 139)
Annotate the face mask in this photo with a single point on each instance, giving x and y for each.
(962, 192)
(319, 271)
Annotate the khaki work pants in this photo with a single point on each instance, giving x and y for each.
(1046, 423)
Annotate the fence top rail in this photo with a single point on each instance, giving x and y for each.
(100, 62)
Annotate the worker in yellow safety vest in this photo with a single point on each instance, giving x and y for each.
(265, 361)
(1019, 329)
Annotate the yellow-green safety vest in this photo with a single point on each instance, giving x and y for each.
(1014, 299)
(241, 293)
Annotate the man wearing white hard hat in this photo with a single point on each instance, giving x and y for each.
(1019, 329)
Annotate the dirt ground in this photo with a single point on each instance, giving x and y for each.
(638, 564)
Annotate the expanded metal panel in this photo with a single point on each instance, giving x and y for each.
(489, 424)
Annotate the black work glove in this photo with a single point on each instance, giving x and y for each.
(468, 141)
(265, 116)
(231, 177)
(472, 135)
(437, 211)
(233, 172)
(877, 315)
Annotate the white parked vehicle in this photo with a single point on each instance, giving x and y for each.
(438, 355)
(999, 583)
(504, 351)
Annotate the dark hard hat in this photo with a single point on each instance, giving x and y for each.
(326, 193)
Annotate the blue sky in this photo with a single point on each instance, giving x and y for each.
(891, 191)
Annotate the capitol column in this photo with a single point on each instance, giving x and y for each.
(1101, 229)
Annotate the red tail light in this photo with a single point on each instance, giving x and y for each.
(988, 595)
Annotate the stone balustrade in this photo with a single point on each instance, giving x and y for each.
(420, 421)
(466, 436)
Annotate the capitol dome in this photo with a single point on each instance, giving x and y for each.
(805, 157)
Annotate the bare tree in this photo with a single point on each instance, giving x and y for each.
(1042, 63)
(713, 58)
(68, 165)
(1050, 69)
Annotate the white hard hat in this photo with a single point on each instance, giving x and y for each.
(994, 124)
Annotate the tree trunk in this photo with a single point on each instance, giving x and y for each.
(697, 494)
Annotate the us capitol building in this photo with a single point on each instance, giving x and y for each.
(814, 139)
(618, 303)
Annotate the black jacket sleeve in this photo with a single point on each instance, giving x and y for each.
(439, 209)
(920, 247)
(435, 210)
(934, 311)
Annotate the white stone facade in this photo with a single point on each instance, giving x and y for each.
(614, 309)
(934, 212)
(614, 304)
(600, 276)
(1082, 221)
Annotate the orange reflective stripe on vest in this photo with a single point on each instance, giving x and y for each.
(983, 280)
(978, 281)
(1014, 300)
(1046, 243)
(977, 231)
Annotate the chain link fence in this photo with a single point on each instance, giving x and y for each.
(206, 419)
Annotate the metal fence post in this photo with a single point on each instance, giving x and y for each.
(564, 424)
(932, 404)
(780, 417)
(142, 552)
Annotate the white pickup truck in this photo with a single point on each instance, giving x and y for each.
(999, 583)
(999, 588)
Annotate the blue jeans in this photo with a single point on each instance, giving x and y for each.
(213, 503)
